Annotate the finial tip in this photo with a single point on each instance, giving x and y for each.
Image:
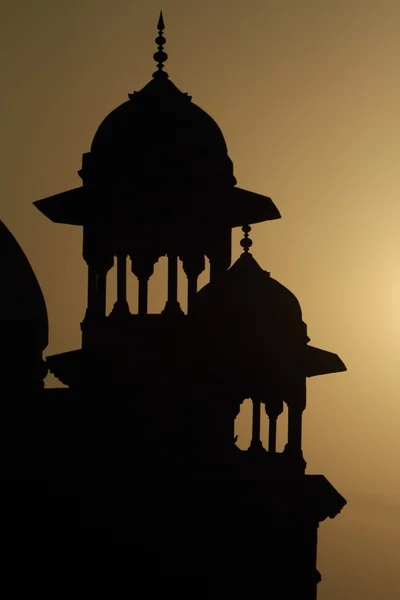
(160, 56)
(160, 24)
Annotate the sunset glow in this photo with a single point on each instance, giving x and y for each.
(307, 95)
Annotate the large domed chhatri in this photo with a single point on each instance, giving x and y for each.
(160, 156)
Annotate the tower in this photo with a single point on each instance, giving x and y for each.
(156, 395)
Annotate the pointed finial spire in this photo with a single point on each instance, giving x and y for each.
(160, 24)
(160, 56)
(246, 242)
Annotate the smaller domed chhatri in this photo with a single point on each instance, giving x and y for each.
(258, 347)
(259, 322)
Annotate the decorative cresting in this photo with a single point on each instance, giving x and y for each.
(160, 56)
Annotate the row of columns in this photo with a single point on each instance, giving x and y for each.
(99, 250)
(193, 266)
(190, 244)
(296, 405)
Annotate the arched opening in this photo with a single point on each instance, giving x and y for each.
(132, 289)
(119, 285)
(204, 277)
(244, 427)
(158, 286)
(243, 424)
(193, 272)
(282, 427)
(182, 288)
(264, 427)
(111, 290)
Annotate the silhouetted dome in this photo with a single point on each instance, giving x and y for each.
(158, 158)
(252, 315)
(22, 305)
(160, 138)
(247, 290)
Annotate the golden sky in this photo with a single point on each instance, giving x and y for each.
(307, 95)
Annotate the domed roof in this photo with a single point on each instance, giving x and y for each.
(158, 158)
(21, 298)
(159, 136)
(249, 321)
(248, 293)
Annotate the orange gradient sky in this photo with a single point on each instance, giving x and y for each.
(307, 95)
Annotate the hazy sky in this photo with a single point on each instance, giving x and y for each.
(307, 94)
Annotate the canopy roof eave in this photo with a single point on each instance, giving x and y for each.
(87, 204)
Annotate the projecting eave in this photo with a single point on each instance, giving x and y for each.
(68, 207)
(233, 207)
(67, 367)
(322, 362)
(246, 208)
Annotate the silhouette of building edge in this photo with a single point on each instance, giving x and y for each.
(129, 479)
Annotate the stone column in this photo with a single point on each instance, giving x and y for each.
(193, 266)
(172, 306)
(256, 443)
(143, 268)
(273, 408)
(121, 306)
(296, 401)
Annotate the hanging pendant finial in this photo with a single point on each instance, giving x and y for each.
(160, 56)
(246, 242)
